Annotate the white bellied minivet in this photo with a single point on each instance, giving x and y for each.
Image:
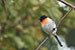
(49, 26)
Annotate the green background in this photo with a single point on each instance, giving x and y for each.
(20, 27)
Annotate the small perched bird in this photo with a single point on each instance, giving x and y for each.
(49, 26)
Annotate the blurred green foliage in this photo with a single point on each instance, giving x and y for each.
(20, 27)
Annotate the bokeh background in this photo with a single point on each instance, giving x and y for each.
(20, 27)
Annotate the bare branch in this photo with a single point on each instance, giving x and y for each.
(60, 21)
(68, 4)
(42, 43)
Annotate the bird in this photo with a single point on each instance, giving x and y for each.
(49, 26)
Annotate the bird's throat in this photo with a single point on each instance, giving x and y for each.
(44, 21)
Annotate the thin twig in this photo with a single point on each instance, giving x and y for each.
(60, 21)
(68, 4)
(42, 43)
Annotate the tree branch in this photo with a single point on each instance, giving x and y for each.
(42, 43)
(68, 4)
(61, 20)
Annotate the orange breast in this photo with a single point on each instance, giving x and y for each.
(44, 21)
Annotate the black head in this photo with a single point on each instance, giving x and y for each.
(42, 18)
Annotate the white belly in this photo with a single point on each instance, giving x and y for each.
(49, 27)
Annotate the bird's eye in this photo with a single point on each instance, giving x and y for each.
(53, 29)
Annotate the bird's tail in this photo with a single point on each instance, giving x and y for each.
(58, 40)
